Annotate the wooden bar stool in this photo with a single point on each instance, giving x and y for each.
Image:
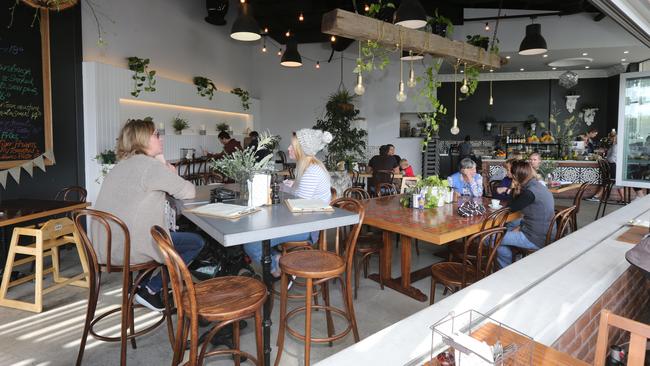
(112, 225)
(225, 300)
(318, 267)
(47, 239)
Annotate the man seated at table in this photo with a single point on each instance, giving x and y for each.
(254, 137)
(391, 152)
(466, 182)
(381, 163)
(230, 145)
(535, 160)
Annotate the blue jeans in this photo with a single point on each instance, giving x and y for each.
(254, 250)
(512, 239)
(188, 246)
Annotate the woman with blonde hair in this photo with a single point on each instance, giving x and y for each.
(135, 191)
(537, 206)
(312, 182)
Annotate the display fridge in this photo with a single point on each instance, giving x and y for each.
(633, 145)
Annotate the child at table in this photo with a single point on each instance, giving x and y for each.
(406, 168)
(312, 182)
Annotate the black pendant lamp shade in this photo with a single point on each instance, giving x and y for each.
(291, 57)
(245, 28)
(533, 43)
(411, 14)
(217, 10)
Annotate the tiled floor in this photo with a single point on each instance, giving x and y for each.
(52, 337)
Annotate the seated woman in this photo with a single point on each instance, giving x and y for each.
(504, 190)
(466, 182)
(134, 191)
(312, 182)
(537, 207)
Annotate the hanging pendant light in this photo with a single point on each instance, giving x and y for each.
(454, 129)
(464, 89)
(245, 28)
(533, 43)
(411, 14)
(291, 57)
(401, 95)
(491, 99)
(359, 89)
(412, 81)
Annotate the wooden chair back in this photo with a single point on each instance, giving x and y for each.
(581, 192)
(356, 193)
(406, 183)
(386, 189)
(181, 281)
(212, 177)
(56, 228)
(561, 224)
(292, 174)
(283, 157)
(350, 234)
(496, 219)
(605, 173)
(639, 335)
(493, 186)
(357, 181)
(383, 176)
(70, 193)
(107, 222)
(485, 243)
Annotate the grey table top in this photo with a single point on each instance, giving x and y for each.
(270, 222)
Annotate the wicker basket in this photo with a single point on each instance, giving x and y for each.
(56, 5)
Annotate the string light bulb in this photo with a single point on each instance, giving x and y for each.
(318, 64)
(401, 95)
(301, 17)
(359, 89)
(288, 34)
(280, 52)
(264, 48)
(266, 30)
(487, 26)
(333, 38)
(366, 8)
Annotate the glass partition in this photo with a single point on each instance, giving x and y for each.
(633, 150)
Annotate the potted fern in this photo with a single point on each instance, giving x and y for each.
(180, 124)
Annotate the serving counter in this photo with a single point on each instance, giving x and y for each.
(554, 296)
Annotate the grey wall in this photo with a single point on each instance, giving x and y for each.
(65, 48)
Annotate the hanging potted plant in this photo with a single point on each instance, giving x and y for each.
(141, 73)
(223, 127)
(479, 41)
(204, 86)
(382, 10)
(244, 96)
(440, 25)
(342, 99)
(180, 124)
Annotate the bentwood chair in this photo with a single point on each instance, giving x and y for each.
(378, 177)
(318, 267)
(606, 185)
(560, 226)
(386, 189)
(496, 218)
(110, 225)
(72, 193)
(577, 200)
(223, 300)
(458, 275)
(639, 335)
(368, 243)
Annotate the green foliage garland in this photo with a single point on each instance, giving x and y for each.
(244, 96)
(141, 73)
(204, 86)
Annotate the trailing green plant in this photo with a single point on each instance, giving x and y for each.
(244, 96)
(440, 25)
(375, 9)
(479, 41)
(241, 165)
(106, 157)
(429, 92)
(179, 124)
(223, 127)
(204, 86)
(141, 73)
(494, 47)
(472, 73)
(348, 143)
(373, 56)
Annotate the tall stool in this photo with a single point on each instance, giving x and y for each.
(318, 267)
(46, 242)
(111, 225)
(225, 300)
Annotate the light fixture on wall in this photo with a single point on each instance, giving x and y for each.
(401, 95)
(454, 129)
(411, 14)
(291, 57)
(533, 43)
(245, 28)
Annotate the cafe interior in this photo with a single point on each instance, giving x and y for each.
(328, 182)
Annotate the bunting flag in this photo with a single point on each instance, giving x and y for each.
(14, 172)
(39, 162)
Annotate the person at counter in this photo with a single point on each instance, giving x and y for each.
(537, 206)
(592, 143)
(134, 190)
(466, 182)
(465, 149)
(230, 145)
(312, 182)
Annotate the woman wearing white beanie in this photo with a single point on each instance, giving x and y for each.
(312, 182)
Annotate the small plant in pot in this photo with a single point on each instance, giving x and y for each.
(342, 99)
(180, 124)
(479, 41)
(382, 10)
(440, 25)
(223, 127)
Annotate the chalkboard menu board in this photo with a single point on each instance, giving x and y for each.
(25, 100)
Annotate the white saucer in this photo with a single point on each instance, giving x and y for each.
(495, 207)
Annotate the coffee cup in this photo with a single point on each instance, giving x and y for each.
(495, 203)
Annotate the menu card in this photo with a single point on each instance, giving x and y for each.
(223, 210)
(308, 205)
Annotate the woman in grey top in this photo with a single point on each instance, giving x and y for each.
(537, 206)
(135, 191)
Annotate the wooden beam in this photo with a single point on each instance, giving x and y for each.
(351, 25)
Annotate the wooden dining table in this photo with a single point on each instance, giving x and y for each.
(564, 188)
(438, 226)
